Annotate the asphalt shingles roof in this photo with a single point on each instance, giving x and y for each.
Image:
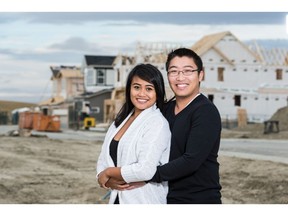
(99, 60)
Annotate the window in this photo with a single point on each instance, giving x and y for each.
(237, 100)
(279, 74)
(90, 77)
(100, 77)
(220, 74)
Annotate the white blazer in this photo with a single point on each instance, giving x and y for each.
(144, 146)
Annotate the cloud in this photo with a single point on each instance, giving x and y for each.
(77, 44)
(9, 17)
(179, 18)
(71, 50)
(42, 56)
(23, 80)
(32, 42)
(269, 44)
(123, 39)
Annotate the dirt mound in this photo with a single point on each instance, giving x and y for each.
(282, 116)
(256, 130)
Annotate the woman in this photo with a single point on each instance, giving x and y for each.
(137, 141)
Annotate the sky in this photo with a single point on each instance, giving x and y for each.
(31, 42)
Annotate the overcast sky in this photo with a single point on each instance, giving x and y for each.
(31, 42)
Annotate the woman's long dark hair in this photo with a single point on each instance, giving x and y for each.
(150, 74)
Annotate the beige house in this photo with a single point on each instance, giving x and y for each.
(67, 83)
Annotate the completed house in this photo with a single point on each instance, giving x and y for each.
(98, 72)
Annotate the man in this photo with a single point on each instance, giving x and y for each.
(195, 124)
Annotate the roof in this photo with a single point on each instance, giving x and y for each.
(67, 71)
(100, 61)
(274, 56)
(209, 41)
(70, 73)
(95, 94)
(52, 101)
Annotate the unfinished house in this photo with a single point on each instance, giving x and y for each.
(238, 77)
(152, 53)
(149, 53)
(243, 82)
(67, 83)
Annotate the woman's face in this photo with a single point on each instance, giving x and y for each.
(142, 94)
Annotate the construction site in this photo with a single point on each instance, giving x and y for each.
(37, 169)
(49, 148)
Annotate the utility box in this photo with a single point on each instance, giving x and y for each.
(46, 122)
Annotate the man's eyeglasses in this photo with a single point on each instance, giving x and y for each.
(187, 72)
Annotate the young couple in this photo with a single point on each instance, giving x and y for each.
(157, 152)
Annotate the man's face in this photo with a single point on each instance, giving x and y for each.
(184, 86)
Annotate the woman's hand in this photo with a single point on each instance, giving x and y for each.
(111, 172)
(117, 184)
(103, 179)
(111, 178)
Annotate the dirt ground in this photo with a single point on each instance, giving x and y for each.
(43, 170)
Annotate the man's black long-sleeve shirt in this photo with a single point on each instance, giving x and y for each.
(193, 170)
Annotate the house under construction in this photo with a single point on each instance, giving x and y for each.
(239, 78)
(246, 82)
